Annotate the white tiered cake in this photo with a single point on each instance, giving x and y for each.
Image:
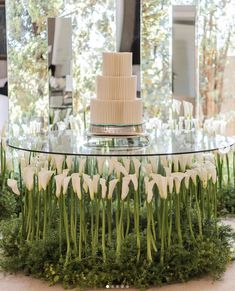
(116, 103)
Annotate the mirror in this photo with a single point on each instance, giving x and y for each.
(59, 36)
(183, 51)
(128, 22)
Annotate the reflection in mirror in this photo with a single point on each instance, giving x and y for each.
(184, 57)
(128, 32)
(60, 66)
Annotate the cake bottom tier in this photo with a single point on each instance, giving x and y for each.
(116, 112)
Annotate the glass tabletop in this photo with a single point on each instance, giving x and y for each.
(155, 143)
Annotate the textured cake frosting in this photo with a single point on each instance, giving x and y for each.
(116, 102)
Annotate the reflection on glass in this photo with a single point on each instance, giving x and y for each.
(128, 32)
(60, 65)
(183, 51)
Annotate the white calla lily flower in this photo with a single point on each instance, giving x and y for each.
(178, 177)
(59, 182)
(28, 177)
(69, 162)
(170, 181)
(95, 181)
(119, 168)
(76, 184)
(59, 160)
(103, 188)
(100, 164)
(90, 184)
(175, 159)
(13, 185)
(150, 185)
(125, 187)
(82, 164)
(193, 175)
(183, 160)
(127, 163)
(154, 161)
(44, 177)
(167, 171)
(161, 183)
(146, 181)
(137, 165)
(148, 168)
(66, 184)
(186, 180)
(134, 180)
(112, 163)
(164, 161)
(203, 176)
(112, 185)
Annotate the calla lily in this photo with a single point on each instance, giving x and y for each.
(170, 181)
(69, 162)
(203, 176)
(178, 177)
(65, 172)
(23, 163)
(28, 177)
(186, 180)
(150, 185)
(44, 177)
(183, 159)
(167, 171)
(82, 163)
(112, 185)
(125, 187)
(193, 175)
(96, 183)
(146, 181)
(100, 163)
(59, 159)
(164, 161)
(211, 169)
(148, 168)
(66, 184)
(136, 165)
(154, 164)
(103, 188)
(90, 184)
(127, 163)
(134, 180)
(161, 183)
(120, 169)
(59, 181)
(76, 184)
(112, 163)
(13, 185)
(175, 159)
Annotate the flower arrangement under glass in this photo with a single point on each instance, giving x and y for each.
(95, 208)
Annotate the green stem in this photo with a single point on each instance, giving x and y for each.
(103, 232)
(66, 226)
(178, 224)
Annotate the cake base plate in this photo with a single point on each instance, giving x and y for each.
(116, 130)
(117, 142)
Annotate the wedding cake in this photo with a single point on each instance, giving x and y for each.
(116, 103)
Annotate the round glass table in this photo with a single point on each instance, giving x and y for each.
(156, 143)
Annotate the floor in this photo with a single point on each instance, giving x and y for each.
(227, 283)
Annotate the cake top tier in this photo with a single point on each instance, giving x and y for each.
(117, 64)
